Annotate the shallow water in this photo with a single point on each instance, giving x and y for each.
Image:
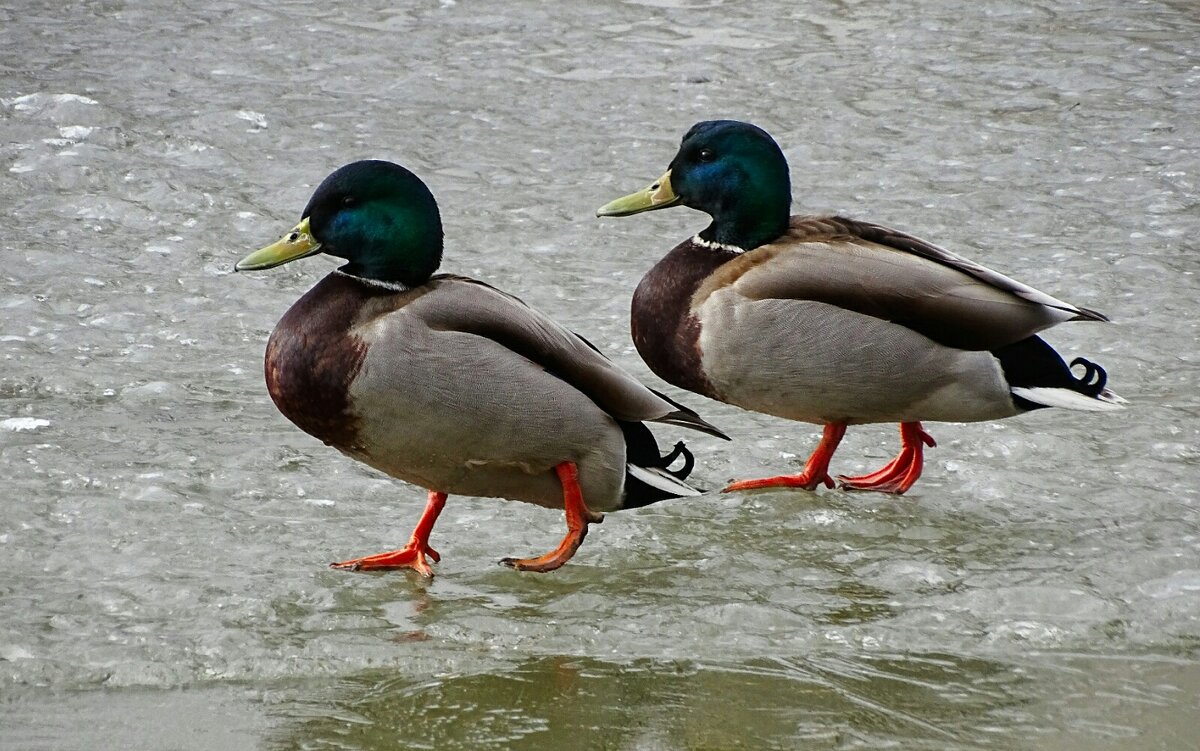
(165, 531)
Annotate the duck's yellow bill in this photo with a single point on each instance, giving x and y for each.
(297, 243)
(658, 196)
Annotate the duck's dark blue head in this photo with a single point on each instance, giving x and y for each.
(732, 171)
(377, 215)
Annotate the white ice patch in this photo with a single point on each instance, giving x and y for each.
(17, 424)
(30, 101)
(75, 132)
(14, 652)
(257, 119)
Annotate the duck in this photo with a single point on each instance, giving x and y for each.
(835, 321)
(447, 383)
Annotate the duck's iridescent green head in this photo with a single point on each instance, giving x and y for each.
(732, 171)
(377, 215)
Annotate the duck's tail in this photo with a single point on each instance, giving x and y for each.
(1038, 377)
(648, 474)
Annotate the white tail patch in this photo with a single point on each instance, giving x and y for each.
(1068, 399)
(661, 479)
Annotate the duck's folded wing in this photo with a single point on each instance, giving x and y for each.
(896, 277)
(918, 247)
(470, 306)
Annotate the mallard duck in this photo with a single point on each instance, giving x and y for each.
(834, 321)
(448, 383)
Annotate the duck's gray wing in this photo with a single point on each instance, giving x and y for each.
(888, 274)
(470, 306)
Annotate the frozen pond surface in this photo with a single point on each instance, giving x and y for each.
(164, 531)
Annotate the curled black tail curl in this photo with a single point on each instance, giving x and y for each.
(1094, 377)
(689, 462)
(641, 451)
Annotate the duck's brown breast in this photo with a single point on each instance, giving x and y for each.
(313, 356)
(665, 331)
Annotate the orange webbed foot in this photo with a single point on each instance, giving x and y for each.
(579, 516)
(802, 480)
(816, 469)
(901, 473)
(411, 556)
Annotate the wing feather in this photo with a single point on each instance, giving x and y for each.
(890, 275)
(469, 306)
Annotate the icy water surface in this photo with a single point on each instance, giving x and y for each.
(164, 531)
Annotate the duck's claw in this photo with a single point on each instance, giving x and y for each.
(411, 556)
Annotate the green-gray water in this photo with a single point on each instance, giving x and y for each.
(164, 531)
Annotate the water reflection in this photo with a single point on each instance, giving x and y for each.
(925, 701)
(913, 700)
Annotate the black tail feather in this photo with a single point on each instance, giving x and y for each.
(642, 450)
(1032, 363)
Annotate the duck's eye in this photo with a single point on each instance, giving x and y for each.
(349, 201)
(706, 155)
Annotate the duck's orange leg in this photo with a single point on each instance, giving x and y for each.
(902, 472)
(816, 470)
(411, 555)
(578, 518)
